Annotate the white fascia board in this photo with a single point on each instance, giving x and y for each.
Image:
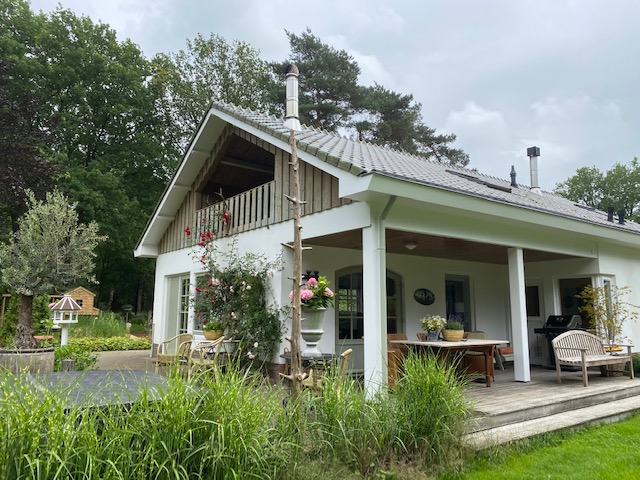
(474, 206)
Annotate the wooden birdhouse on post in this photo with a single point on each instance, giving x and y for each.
(65, 311)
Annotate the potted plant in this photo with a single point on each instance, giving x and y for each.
(606, 311)
(49, 252)
(315, 297)
(432, 324)
(453, 331)
(213, 329)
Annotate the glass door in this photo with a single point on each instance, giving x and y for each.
(458, 299)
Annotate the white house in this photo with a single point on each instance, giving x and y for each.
(386, 228)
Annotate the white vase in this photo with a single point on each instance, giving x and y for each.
(311, 330)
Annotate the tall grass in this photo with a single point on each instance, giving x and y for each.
(233, 428)
(105, 325)
(422, 418)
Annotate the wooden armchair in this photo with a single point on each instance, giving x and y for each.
(316, 378)
(175, 351)
(205, 355)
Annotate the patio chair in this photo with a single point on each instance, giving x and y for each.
(180, 344)
(316, 378)
(205, 356)
(396, 354)
(473, 362)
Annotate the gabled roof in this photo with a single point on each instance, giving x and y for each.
(359, 159)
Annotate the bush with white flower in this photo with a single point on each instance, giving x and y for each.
(234, 291)
(432, 323)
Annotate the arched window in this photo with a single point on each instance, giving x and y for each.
(350, 304)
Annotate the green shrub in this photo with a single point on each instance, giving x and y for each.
(636, 365)
(79, 353)
(107, 324)
(111, 344)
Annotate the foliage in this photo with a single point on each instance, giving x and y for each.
(210, 69)
(617, 188)
(80, 354)
(332, 99)
(454, 325)
(421, 420)
(432, 409)
(105, 325)
(636, 365)
(234, 428)
(432, 323)
(97, 105)
(41, 313)
(212, 325)
(110, 344)
(23, 166)
(50, 251)
(607, 310)
(316, 293)
(233, 291)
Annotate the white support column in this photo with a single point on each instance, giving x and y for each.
(374, 268)
(521, 365)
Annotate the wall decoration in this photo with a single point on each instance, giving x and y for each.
(424, 296)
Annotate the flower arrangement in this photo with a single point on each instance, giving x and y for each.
(315, 293)
(432, 323)
(213, 325)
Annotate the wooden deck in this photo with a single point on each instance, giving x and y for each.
(511, 410)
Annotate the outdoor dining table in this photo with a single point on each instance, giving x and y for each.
(444, 348)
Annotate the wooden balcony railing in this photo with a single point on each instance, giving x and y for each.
(249, 210)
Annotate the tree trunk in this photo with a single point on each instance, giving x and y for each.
(296, 361)
(24, 329)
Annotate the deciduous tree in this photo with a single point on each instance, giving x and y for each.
(618, 187)
(210, 69)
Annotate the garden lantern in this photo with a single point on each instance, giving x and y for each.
(65, 311)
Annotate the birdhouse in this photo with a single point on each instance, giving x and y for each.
(65, 311)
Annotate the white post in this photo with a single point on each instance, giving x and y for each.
(521, 365)
(374, 267)
(64, 334)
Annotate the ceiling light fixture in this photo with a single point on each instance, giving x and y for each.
(410, 245)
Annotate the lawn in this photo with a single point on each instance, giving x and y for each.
(598, 452)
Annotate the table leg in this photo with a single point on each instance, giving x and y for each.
(487, 358)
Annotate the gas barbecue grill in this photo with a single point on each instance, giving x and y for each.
(554, 326)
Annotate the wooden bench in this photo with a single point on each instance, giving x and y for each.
(577, 347)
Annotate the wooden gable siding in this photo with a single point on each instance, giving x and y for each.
(258, 207)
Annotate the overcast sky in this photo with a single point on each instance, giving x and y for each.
(501, 75)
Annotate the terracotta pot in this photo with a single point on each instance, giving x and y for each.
(452, 335)
(212, 334)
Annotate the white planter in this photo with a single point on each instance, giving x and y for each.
(311, 330)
